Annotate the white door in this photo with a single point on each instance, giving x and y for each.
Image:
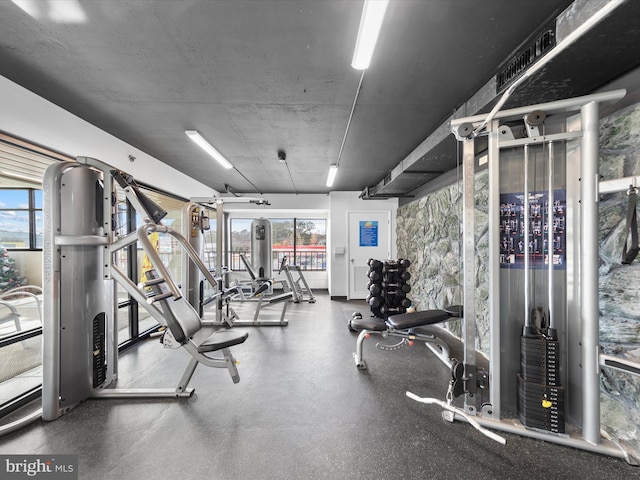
(369, 237)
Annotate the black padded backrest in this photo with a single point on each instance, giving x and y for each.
(182, 319)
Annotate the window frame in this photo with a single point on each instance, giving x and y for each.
(32, 214)
(238, 266)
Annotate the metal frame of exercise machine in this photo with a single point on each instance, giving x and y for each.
(192, 280)
(577, 315)
(80, 349)
(299, 286)
(408, 328)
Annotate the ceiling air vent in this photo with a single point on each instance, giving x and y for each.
(523, 60)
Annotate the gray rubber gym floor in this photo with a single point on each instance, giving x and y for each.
(301, 411)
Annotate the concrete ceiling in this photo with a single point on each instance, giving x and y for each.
(257, 76)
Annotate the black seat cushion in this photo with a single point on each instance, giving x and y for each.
(404, 321)
(222, 339)
(372, 323)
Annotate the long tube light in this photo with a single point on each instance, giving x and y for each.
(333, 171)
(372, 15)
(207, 147)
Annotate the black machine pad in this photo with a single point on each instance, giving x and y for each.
(222, 339)
(372, 323)
(405, 321)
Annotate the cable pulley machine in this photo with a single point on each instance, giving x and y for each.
(547, 370)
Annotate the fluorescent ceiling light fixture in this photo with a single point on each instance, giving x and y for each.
(333, 171)
(67, 11)
(30, 7)
(370, 23)
(207, 147)
(59, 11)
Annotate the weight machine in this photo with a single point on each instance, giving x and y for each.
(195, 222)
(299, 286)
(80, 347)
(560, 138)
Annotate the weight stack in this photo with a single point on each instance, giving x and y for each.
(540, 396)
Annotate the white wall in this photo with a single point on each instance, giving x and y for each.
(25, 115)
(341, 203)
(336, 207)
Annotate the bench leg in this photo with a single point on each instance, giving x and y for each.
(440, 349)
(186, 375)
(284, 312)
(357, 356)
(257, 313)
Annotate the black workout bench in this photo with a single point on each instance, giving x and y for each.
(406, 326)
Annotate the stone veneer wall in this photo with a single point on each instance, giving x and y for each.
(429, 234)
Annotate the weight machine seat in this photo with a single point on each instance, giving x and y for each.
(221, 339)
(186, 326)
(405, 321)
(374, 324)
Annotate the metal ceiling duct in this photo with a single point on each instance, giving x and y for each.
(596, 56)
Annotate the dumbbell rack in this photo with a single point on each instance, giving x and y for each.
(388, 287)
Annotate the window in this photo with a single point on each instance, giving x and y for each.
(240, 241)
(311, 243)
(21, 218)
(283, 240)
(302, 240)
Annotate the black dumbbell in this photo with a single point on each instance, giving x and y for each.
(386, 310)
(404, 275)
(403, 287)
(396, 302)
(404, 263)
(375, 289)
(374, 301)
(404, 302)
(374, 275)
(375, 264)
(399, 294)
